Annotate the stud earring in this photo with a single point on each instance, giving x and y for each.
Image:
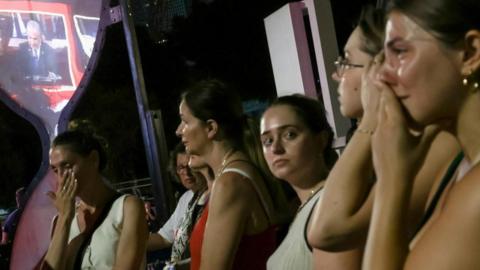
(470, 82)
(465, 80)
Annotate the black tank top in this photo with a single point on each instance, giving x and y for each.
(447, 178)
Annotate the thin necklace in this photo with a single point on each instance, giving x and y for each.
(224, 162)
(313, 191)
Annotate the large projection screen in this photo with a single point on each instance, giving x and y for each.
(45, 48)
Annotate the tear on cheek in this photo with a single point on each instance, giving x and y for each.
(400, 72)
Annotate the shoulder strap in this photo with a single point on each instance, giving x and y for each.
(89, 233)
(238, 171)
(316, 198)
(447, 178)
(268, 211)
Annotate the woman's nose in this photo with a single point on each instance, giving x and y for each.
(387, 73)
(277, 147)
(179, 129)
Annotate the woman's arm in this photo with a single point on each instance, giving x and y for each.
(341, 220)
(397, 157)
(156, 241)
(342, 260)
(133, 237)
(228, 214)
(165, 236)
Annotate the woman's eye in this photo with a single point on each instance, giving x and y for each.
(290, 135)
(267, 141)
(398, 51)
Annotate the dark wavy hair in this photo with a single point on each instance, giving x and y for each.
(372, 24)
(312, 113)
(447, 20)
(212, 99)
(82, 143)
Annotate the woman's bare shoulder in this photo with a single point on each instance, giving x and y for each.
(453, 238)
(132, 206)
(464, 193)
(443, 150)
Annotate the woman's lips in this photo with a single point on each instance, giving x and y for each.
(280, 162)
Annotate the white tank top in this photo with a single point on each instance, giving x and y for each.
(294, 252)
(101, 252)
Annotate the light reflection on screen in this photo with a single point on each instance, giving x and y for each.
(86, 29)
(44, 50)
(45, 47)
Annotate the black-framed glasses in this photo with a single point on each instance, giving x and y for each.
(343, 64)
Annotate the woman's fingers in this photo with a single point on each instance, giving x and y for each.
(372, 68)
(51, 195)
(393, 109)
(66, 182)
(371, 91)
(72, 190)
(61, 183)
(381, 115)
(380, 57)
(68, 185)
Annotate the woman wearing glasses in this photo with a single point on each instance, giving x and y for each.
(170, 231)
(341, 222)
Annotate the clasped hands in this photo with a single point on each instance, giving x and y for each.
(397, 149)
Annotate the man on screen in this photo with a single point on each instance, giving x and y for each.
(36, 64)
(36, 58)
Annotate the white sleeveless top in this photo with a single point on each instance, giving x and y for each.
(100, 253)
(294, 252)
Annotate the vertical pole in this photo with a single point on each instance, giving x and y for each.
(151, 150)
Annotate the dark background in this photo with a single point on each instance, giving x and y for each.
(223, 39)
